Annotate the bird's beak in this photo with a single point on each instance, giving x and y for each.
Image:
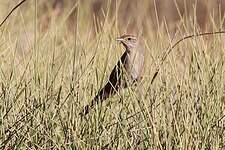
(119, 39)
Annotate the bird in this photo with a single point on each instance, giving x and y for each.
(127, 69)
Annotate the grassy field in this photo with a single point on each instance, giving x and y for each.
(47, 77)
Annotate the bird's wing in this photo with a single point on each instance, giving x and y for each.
(114, 81)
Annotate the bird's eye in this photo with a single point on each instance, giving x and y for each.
(128, 39)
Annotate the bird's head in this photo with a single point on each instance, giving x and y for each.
(128, 41)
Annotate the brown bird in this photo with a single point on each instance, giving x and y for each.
(128, 69)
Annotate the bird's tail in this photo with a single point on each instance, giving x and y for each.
(107, 91)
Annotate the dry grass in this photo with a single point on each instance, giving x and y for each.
(47, 78)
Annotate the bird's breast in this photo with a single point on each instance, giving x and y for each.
(134, 65)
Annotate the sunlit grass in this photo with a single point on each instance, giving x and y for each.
(46, 81)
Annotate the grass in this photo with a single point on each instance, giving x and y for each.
(48, 77)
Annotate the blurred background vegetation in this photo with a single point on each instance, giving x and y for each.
(129, 16)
